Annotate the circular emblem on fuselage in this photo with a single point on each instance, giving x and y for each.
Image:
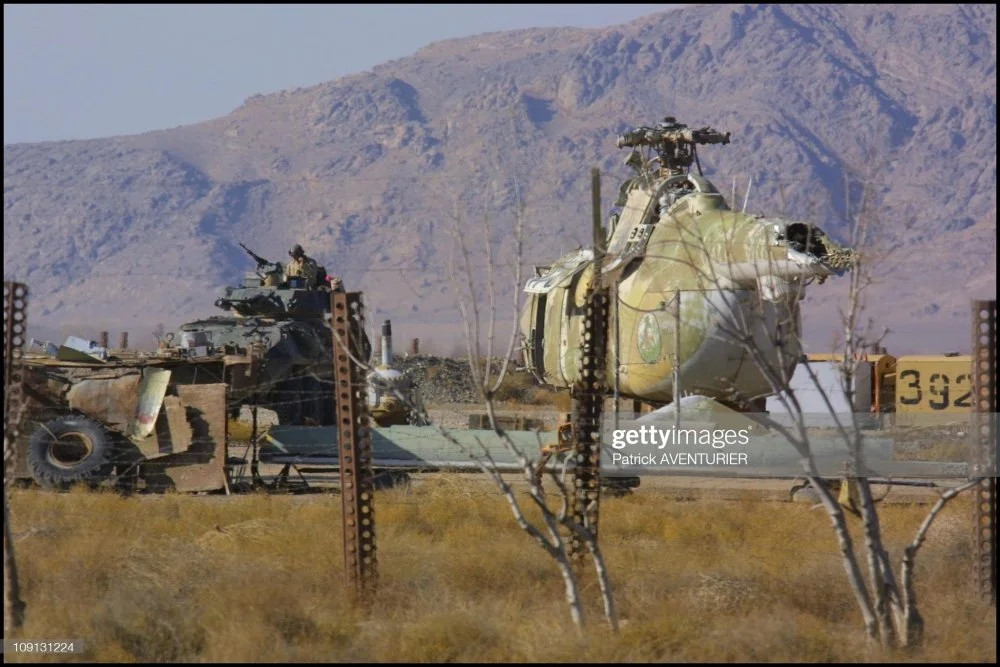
(649, 338)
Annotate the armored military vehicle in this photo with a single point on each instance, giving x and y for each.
(275, 344)
(689, 276)
(91, 413)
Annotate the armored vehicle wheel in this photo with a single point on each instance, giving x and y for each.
(68, 450)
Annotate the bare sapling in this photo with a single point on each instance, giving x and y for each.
(478, 305)
(887, 602)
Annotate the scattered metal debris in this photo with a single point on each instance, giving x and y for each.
(74, 349)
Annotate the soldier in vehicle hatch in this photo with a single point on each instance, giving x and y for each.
(301, 266)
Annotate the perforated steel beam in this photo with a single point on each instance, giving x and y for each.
(354, 442)
(984, 432)
(590, 390)
(588, 408)
(14, 323)
(15, 297)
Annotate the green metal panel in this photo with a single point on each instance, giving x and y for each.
(417, 445)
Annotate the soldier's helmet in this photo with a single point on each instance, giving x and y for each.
(296, 251)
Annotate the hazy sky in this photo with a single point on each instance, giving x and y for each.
(84, 71)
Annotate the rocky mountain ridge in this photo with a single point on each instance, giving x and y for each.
(376, 173)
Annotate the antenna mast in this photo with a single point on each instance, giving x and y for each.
(746, 197)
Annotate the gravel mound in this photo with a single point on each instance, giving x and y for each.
(443, 380)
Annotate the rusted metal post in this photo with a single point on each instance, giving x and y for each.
(14, 324)
(123, 341)
(256, 353)
(415, 346)
(984, 433)
(597, 229)
(354, 444)
(588, 410)
(104, 339)
(589, 392)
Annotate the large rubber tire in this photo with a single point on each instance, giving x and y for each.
(69, 450)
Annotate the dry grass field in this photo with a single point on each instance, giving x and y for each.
(259, 578)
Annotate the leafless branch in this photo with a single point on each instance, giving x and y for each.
(549, 533)
(913, 623)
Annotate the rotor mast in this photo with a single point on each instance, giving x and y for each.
(676, 144)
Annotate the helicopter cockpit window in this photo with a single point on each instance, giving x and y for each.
(672, 192)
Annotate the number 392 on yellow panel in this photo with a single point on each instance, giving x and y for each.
(934, 384)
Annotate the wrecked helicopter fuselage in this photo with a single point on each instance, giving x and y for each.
(682, 266)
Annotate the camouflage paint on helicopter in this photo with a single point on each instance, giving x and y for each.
(650, 344)
(676, 238)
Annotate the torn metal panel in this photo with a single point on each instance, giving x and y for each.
(50, 348)
(111, 401)
(172, 431)
(635, 246)
(413, 446)
(637, 209)
(179, 434)
(559, 272)
(152, 390)
(201, 466)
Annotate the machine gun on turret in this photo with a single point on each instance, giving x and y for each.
(261, 262)
(675, 144)
(270, 272)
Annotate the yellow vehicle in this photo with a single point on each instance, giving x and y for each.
(933, 388)
(883, 385)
